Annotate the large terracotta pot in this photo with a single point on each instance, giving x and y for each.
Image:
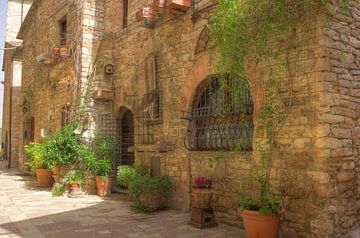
(44, 177)
(152, 201)
(202, 197)
(257, 226)
(103, 187)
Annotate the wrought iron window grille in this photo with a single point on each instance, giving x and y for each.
(220, 120)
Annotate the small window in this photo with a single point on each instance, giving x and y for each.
(221, 118)
(65, 115)
(63, 31)
(125, 13)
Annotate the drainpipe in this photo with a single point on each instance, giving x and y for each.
(10, 111)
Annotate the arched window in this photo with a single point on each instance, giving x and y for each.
(221, 117)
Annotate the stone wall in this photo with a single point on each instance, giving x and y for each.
(339, 117)
(16, 12)
(315, 162)
(49, 88)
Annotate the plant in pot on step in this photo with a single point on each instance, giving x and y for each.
(150, 193)
(75, 179)
(202, 191)
(39, 165)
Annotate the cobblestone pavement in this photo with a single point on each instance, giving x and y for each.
(31, 212)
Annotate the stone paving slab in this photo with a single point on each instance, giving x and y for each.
(30, 212)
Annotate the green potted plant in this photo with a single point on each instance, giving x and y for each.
(103, 178)
(38, 164)
(63, 148)
(149, 192)
(259, 208)
(104, 152)
(75, 179)
(127, 173)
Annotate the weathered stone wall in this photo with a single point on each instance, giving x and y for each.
(50, 87)
(303, 148)
(315, 153)
(339, 116)
(16, 12)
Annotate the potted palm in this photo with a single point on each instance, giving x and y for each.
(38, 164)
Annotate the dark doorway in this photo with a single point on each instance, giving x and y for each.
(127, 138)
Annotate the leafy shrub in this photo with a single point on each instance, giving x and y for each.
(150, 185)
(126, 174)
(37, 160)
(58, 190)
(63, 148)
(75, 177)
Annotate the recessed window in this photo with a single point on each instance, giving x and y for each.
(65, 115)
(221, 117)
(63, 31)
(125, 13)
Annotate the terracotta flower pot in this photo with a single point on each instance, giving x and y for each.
(202, 197)
(180, 5)
(152, 201)
(257, 226)
(103, 187)
(74, 185)
(44, 178)
(55, 170)
(63, 52)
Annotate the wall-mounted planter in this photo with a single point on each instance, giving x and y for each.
(148, 15)
(179, 5)
(158, 3)
(103, 94)
(49, 62)
(60, 51)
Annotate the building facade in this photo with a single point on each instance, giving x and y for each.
(150, 82)
(12, 67)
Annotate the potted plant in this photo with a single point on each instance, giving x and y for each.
(75, 179)
(38, 164)
(104, 152)
(127, 173)
(148, 15)
(150, 193)
(202, 192)
(62, 149)
(103, 178)
(260, 210)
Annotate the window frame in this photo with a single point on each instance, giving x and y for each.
(216, 121)
(125, 17)
(63, 30)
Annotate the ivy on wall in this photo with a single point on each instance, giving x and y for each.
(251, 35)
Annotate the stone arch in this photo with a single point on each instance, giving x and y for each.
(200, 71)
(202, 43)
(126, 120)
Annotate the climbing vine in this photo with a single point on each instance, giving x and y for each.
(253, 41)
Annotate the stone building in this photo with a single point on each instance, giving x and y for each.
(146, 81)
(16, 12)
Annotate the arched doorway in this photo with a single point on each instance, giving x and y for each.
(127, 137)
